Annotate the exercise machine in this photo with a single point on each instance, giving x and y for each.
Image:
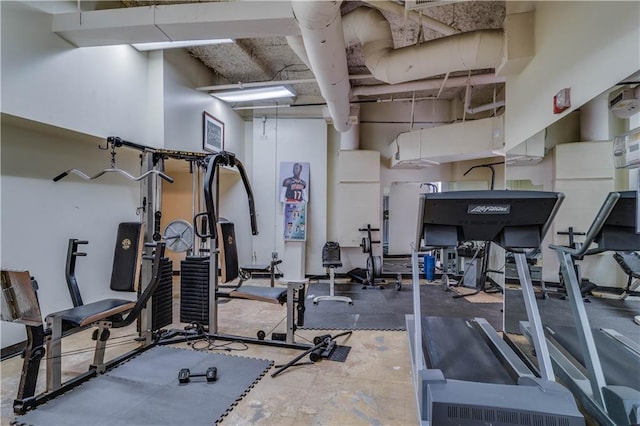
(331, 260)
(463, 372)
(585, 364)
(629, 261)
(371, 277)
(44, 338)
(221, 236)
(585, 285)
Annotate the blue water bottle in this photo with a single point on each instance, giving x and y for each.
(429, 267)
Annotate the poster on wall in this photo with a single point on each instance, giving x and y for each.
(294, 182)
(295, 221)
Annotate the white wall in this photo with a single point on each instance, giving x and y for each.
(147, 98)
(39, 215)
(582, 45)
(286, 140)
(183, 109)
(99, 91)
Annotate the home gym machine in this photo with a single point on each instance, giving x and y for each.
(463, 372)
(589, 361)
(221, 238)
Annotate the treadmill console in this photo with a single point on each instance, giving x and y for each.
(511, 219)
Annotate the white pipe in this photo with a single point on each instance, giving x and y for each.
(430, 84)
(321, 29)
(324, 33)
(350, 140)
(398, 9)
(242, 85)
(464, 51)
(485, 107)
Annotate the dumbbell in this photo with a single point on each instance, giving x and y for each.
(184, 375)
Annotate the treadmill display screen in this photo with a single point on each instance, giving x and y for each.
(619, 230)
(511, 219)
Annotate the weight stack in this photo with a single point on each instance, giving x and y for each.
(162, 300)
(194, 290)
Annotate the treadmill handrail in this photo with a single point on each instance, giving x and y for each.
(594, 229)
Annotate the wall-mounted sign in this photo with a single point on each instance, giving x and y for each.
(295, 221)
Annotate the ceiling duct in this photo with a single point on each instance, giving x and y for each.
(321, 28)
(326, 34)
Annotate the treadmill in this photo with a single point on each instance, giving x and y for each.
(600, 366)
(464, 373)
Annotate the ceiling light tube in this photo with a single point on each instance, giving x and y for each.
(175, 44)
(254, 94)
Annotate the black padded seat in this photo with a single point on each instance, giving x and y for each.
(81, 316)
(264, 294)
(256, 268)
(629, 262)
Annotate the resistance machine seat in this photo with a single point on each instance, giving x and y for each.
(106, 313)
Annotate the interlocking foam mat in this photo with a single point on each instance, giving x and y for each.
(145, 391)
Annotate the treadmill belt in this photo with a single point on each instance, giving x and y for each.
(619, 365)
(455, 347)
(145, 391)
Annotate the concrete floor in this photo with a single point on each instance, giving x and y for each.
(373, 386)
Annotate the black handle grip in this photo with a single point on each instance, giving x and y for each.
(60, 176)
(204, 222)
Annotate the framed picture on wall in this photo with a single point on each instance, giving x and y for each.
(212, 134)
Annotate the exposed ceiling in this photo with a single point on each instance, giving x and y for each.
(249, 60)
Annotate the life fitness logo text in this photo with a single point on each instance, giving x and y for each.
(489, 209)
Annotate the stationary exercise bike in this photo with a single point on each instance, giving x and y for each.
(371, 277)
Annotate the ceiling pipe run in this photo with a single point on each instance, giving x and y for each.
(325, 35)
(459, 52)
(412, 15)
(321, 29)
(430, 84)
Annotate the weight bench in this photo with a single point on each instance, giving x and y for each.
(629, 261)
(230, 271)
(107, 313)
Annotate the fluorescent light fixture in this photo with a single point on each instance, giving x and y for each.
(175, 44)
(254, 94)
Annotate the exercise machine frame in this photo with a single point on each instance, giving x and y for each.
(294, 287)
(441, 400)
(610, 405)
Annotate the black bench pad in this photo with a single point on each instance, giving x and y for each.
(92, 312)
(265, 294)
(629, 262)
(256, 268)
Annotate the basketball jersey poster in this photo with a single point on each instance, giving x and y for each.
(294, 182)
(295, 221)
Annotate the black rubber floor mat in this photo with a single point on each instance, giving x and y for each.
(340, 353)
(145, 391)
(602, 313)
(385, 309)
